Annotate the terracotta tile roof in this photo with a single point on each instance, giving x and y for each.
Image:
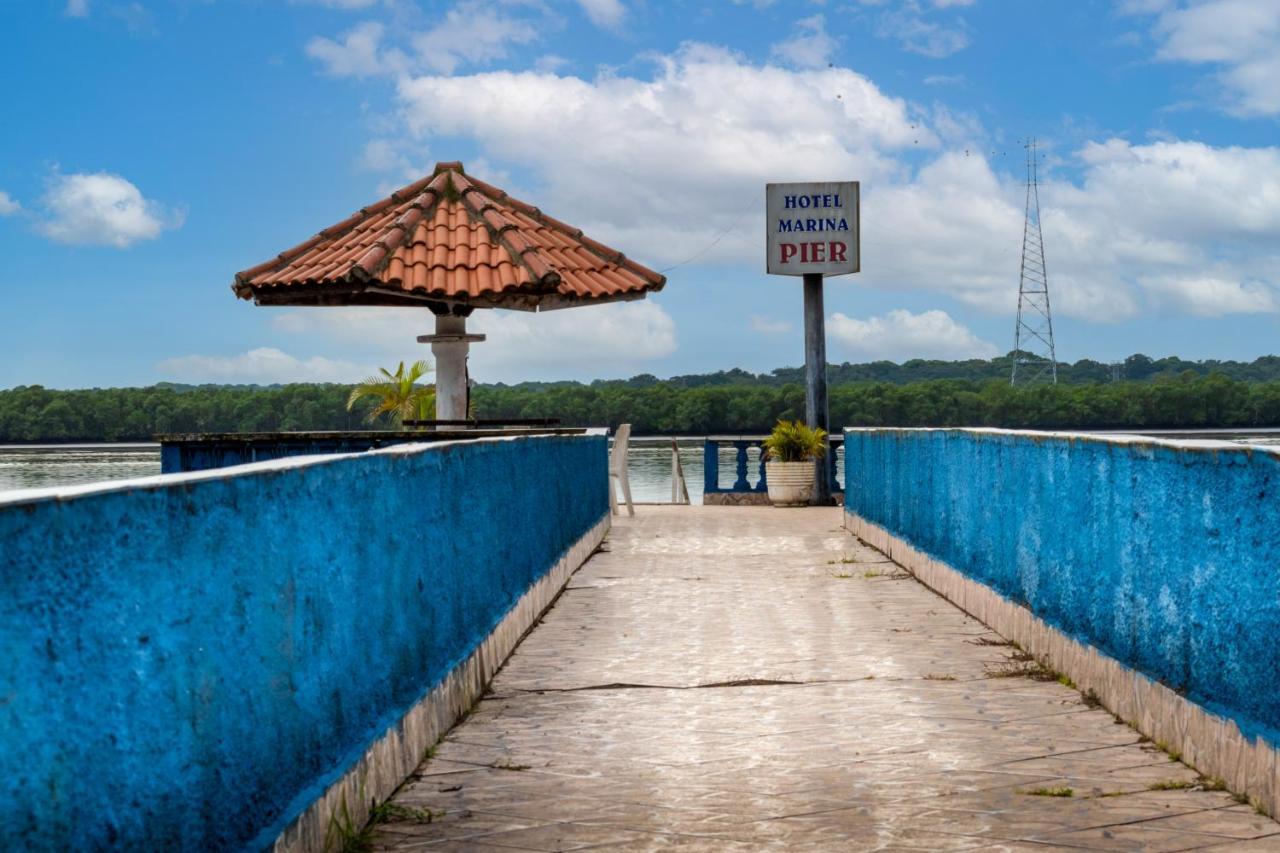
(448, 238)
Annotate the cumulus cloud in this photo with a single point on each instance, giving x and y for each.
(624, 337)
(1210, 296)
(357, 54)
(620, 337)
(77, 9)
(1241, 38)
(339, 4)
(685, 153)
(102, 209)
(1125, 235)
(902, 335)
(916, 32)
(8, 204)
(471, 32)
(810, 46)
(264, 365)
(393, 155)
(686, 147)
(767, 326)
(604, 13)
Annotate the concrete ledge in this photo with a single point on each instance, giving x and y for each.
(389, 760)
(735, 499)
(1212, 744)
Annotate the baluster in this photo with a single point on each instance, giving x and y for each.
(763, 484)
(710, 466)
(741, 485)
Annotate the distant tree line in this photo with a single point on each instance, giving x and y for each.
(1135, 368)
(1165, 393)
(1188, 401)
(33, 413)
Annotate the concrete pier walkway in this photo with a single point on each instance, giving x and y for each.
(752, 678)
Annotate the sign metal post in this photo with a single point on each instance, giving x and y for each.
(812, 231)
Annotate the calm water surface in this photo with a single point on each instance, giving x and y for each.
(37, 466)
(34, 466)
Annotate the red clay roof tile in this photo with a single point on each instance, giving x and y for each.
(448, 237)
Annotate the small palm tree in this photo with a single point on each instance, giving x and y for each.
(397, 394)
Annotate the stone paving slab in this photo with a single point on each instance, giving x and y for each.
(742, 678)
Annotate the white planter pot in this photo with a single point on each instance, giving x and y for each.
(790, 483)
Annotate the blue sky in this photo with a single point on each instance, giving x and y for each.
(153, 148)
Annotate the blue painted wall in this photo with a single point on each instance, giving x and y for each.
(1167, 559)
(187, 666)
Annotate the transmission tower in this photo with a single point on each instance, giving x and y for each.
(1034, 359)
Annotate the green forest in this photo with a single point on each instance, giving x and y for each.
(1140, 393)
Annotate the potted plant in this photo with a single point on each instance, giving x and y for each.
(789, 454)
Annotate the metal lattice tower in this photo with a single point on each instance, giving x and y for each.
(1034, 359)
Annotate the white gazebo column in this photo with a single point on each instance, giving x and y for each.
(449, 345)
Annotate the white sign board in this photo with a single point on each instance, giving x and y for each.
(812, 228)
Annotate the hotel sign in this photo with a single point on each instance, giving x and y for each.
(812, 228)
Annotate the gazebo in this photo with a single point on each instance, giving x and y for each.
(451, 243)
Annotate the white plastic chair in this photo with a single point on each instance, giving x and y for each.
(618, 469)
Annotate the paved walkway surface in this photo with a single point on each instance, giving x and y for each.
(752, 678)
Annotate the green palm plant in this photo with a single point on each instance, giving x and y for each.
(792, 441)
(397, 394)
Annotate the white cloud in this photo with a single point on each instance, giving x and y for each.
(350, 5)
(620, 337)
(810, 46)
(604, 13)
(902, 335)
(135, 17)
(1241, 37)
(551, 63)
(917, 33)
(472, 32)
(684, 155)
(357, 54)
(1185, 191)
(8, 204)
(1153, 223)
(102, 209)
(405, 162)
(766, 326)
(570, 343)
(77, 9)
(264, 365)
(1207, 296)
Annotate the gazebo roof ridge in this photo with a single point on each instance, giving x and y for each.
(448, 237)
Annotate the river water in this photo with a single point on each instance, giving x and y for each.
(37, 466)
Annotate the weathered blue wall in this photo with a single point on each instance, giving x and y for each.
(1166, 558)
(187, 665)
